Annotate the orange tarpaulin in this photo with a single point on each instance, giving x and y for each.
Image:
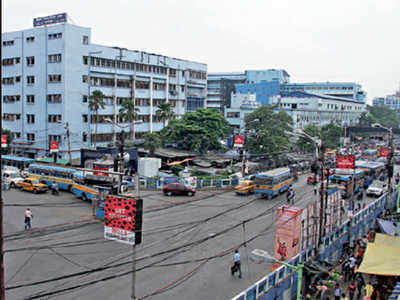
(174, 163)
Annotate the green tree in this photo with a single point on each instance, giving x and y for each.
(266, 131)
(380, 114)
(152, 142)
(198, 131)
(9, 140)
(128, 113)
(164, 112)
(304, 143)
(330, 135)
(96, 102)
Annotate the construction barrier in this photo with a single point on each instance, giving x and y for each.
(282, 283)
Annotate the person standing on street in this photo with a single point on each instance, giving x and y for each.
(315, 189)
(28, 218)
(337, 292)
(352, 290)
(236, 264)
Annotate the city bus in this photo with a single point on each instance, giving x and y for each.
(372, 170)
(369, 154)
(50, 174)
(273, 182)
(16, 161)
(342, 179)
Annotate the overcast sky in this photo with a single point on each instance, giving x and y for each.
(314, 40)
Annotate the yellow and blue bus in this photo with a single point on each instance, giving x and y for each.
(49, 174)
(342, 180)
(273, 182)
(16, 161)
(369, 154)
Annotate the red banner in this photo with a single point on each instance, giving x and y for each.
(287, 233)
(345, 161)
(123, 219)
(100, 169)
(383, 152)
(53, 146)
(238, 141)
(4, 141)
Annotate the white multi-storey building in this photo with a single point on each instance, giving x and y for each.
(241, 106)
(320, 110)
(49, 72)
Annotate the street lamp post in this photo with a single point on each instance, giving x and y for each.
(259, 256)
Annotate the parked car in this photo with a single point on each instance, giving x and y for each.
(32, 185)
(178, 189)
(12, 177)
(377, 188)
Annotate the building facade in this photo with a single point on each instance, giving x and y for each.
(390, 101)
(264, 83)
(347, 90)
(320, 110)
(241, 106)
(49, 73)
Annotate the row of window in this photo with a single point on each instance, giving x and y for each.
(30, 118)
(52, 36)
(53, 78)
(30, 60)
(99, 81)
(298, 88)
(51, 98)
(126, 65)
(31, 137)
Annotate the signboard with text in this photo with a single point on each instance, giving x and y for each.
(123, 219)
(98, 168)
(345, 161)
(4, 141)
(53, 146)
(53, 19)
(238, 141)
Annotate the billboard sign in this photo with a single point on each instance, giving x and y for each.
(98, 168)
(287, 233)
(4, 141)
(383, 152)
(53, 146)
(123, 219)
(345, 161)
(53, 19)
(238, 141)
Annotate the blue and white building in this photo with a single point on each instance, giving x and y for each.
(241, 106)
(390, 101)
(305, 109)
(347, 90)
(49, 72)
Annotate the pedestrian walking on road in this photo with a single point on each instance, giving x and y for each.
(236, 264)
(315, 189)
(28, 218)
(352, 290)
(337, 292)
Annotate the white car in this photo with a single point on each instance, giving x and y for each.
(12, 177)
(377, 188)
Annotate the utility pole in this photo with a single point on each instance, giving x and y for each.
(390, 164)
(120, 56)
(69, 143)
(2, 284)
(244, 154)
(321, 206)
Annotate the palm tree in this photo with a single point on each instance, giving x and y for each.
(152, 142)
(128, 113)
(96, 102)
(164, 112)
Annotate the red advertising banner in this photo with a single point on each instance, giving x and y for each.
(345, 161)
(97, 168)
(383, 152)
(4, 141)
(238, 141)
(53, 146)
(123, 219)
(287, 233)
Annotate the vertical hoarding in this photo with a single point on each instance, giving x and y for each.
(287, 233)
(53, 146)
(238, 141)
(4, 141)
(123, 219)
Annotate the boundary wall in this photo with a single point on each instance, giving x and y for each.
(281, 284)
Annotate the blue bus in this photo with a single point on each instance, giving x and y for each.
(50, 174)
(16, 161)
(342, 180)
(273, 182)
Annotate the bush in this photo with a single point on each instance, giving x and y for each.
(176, 169)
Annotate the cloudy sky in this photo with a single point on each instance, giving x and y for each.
(314, 40)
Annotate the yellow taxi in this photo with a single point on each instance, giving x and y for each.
(32, 185)
(245, 187)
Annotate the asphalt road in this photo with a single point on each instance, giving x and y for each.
(186, 252)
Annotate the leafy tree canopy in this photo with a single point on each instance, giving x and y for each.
(266, 131)
(380, 114)
(198, 131)
(329, 134)
(152, 141)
